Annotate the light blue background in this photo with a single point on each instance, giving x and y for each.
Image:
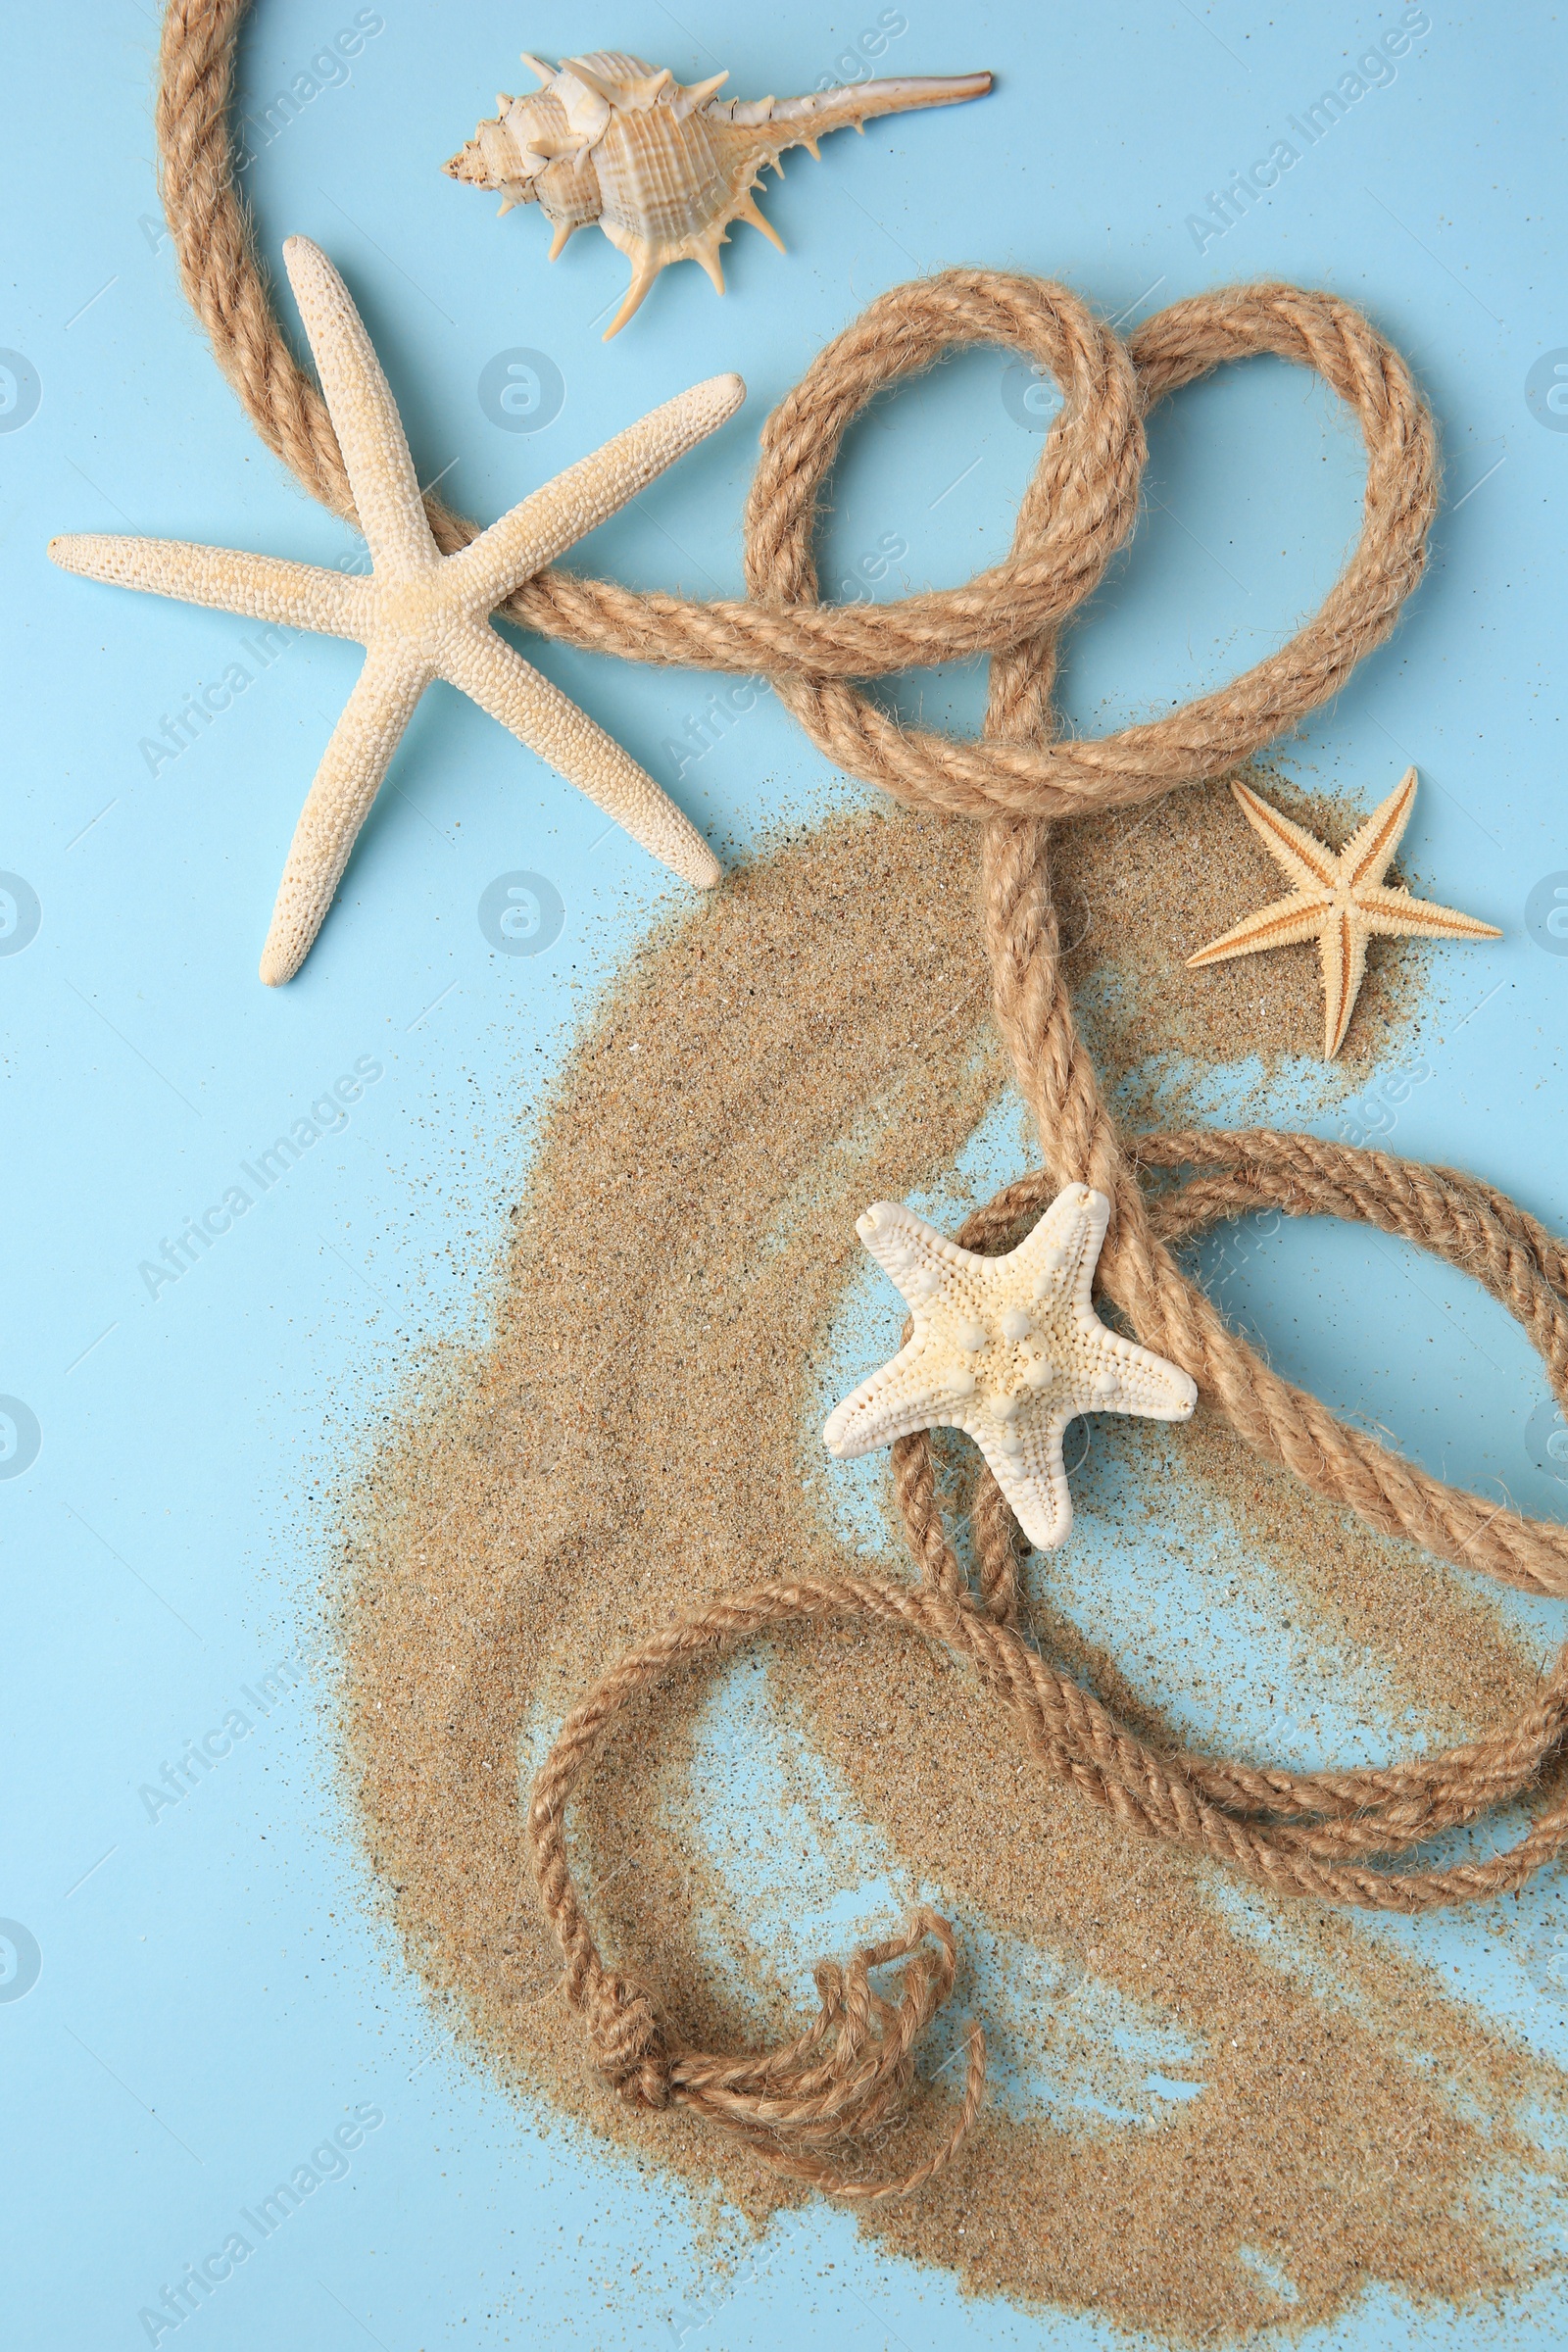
(217, 1990)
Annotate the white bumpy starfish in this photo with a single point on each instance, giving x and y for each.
(1006, 1349)
(422, 616)
(1340, 899)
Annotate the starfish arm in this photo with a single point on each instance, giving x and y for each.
(542, 717)
(300, 596)
(338, 803)
(370, 432)
(1033, 1477)
(911, 1253)
(1395, 915)
(1059, 1254)
(1342, 952)
(914, 1390)
(565, 509)
(1309, 864)
(1281, 924)
(1124, 1378)
(1368, 854)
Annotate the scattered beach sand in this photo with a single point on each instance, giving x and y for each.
(634, 1433)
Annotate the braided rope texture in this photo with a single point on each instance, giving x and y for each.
(809, 2106)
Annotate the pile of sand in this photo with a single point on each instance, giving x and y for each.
(637, 1432)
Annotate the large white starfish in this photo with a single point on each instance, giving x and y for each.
(1008, 1349)
(1340, 899)
(422, 616)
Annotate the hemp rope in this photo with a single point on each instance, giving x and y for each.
(1315, 1834)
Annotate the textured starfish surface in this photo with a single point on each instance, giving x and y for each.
(1006, 1349)
(421, 616)
(1338, 898)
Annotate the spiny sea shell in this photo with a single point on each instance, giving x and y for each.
(663, 170)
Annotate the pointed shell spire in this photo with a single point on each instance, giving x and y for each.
(633, 93)
(697, 94)
(663, 169)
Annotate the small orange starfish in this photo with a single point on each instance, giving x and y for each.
(1340, 900)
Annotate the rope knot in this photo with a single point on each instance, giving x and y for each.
(628, 2044)
(850, 2072)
